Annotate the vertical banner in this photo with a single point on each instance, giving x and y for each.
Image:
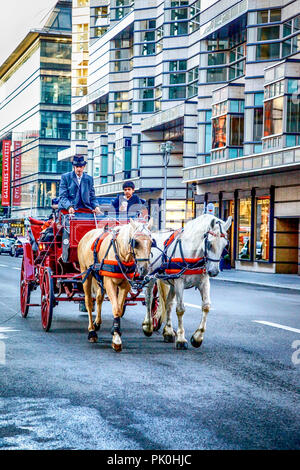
(17, 174)
(6, 173)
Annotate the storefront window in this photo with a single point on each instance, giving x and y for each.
(175, 214)
(244, 228)
(262, 228)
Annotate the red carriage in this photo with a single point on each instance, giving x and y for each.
(61, 281)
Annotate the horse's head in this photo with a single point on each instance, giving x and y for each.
(215, 240)
(136, 245)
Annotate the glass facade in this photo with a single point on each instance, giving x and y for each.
(55, 89)
(55, 125)
(55, 55)
(48, 160)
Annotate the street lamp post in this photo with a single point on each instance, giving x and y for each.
(165, 148)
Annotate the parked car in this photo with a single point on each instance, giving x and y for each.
(17, 249)
(6, 245)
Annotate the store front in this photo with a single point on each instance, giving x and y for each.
(252, 229)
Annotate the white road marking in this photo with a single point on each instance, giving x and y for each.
(18, 269)
(276, 325)
(4, 265)
(193, 305)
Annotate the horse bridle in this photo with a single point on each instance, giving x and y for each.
(133, 242)
(206, 243)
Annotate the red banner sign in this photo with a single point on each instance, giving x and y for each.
(17, 174)
(6, 172)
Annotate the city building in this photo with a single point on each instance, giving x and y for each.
(248, 155)
(134, 86)
(35, 118)
(220, 80)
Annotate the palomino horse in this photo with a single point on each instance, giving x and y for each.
(201, 244)
(123, 252)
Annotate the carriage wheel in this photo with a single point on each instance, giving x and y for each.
(47, 299)
(154, 308)
(24, 293)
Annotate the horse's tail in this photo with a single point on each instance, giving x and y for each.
(163, 291)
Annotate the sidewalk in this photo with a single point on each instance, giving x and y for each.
(282, 281)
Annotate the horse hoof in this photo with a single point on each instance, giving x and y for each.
(182, 346)
(116, 347)
(92, 336)
(147, 332)
(194, 343)
(169, 339)
(97, 326)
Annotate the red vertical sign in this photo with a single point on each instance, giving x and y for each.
(17, 174)
(6, 172)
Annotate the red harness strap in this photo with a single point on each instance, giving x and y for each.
(179, 261)
(100, 240)
(172, 237)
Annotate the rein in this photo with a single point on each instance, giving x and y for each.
(117, 268)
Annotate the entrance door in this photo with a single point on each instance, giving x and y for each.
(287, 245)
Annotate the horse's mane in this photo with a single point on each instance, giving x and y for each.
(199, 225)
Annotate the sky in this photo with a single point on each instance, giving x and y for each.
(17, 17)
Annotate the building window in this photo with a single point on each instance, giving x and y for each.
(55, 90)
(268, 51)
(293, 115)
(267, 33)
(268, 16)
(262, 228)
(236, 137)
(48, 162)
(258, 124)
(208, 139)
(55, 125)
(273, 121)
(244, 228)
(219, 132)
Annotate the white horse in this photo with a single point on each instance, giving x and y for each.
(203, 239)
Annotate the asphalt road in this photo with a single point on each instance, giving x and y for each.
(240, 390)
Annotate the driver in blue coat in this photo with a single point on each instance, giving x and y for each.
(76, 191)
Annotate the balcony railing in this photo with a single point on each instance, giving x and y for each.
(249, 164)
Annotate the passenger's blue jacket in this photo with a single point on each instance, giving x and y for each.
(69, 195)
(134, 207)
